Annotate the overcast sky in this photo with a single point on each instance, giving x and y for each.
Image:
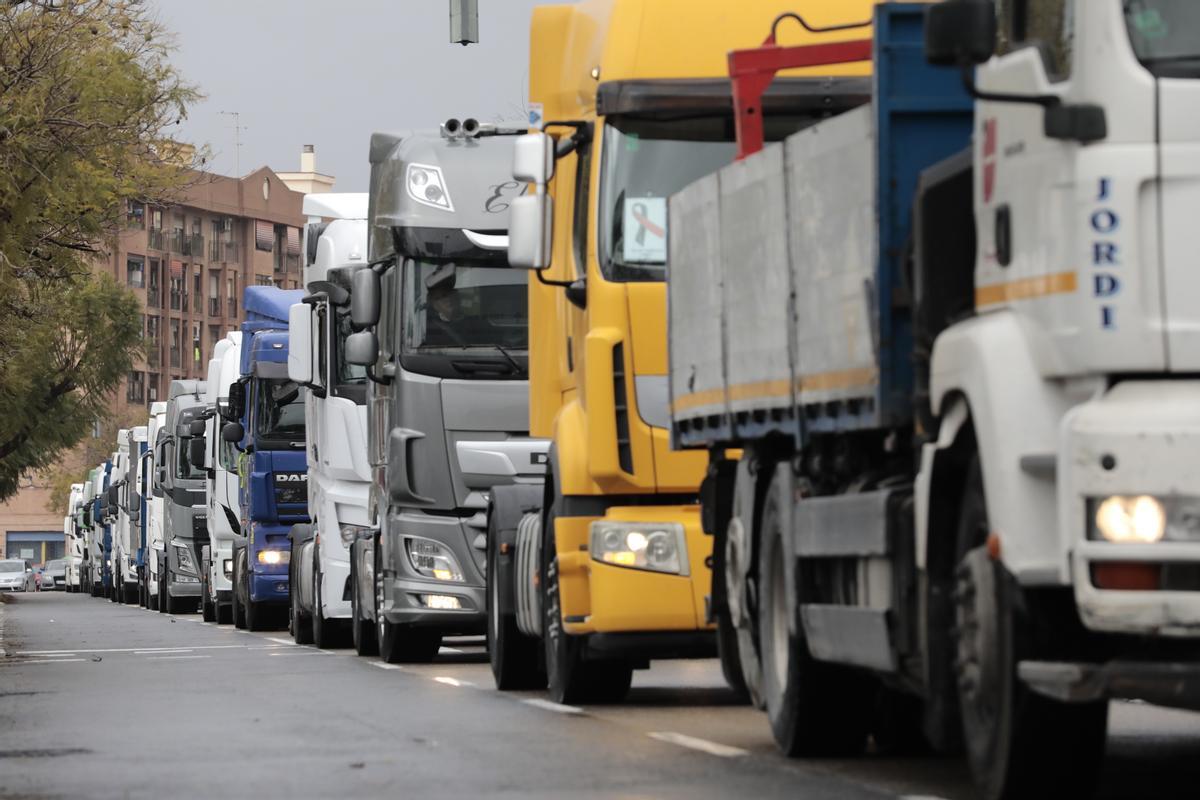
(329, 72)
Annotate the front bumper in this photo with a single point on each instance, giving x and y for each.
(1140, 438)
(404, 586)
(1173, 684)
(268, 583)
(604, 598)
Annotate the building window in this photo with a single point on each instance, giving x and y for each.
(231, 285)
(264, 235)
(151, 387)
(176, 345)
(154, 285)
(215, 334)
(178, 289)
(135, 389)
(135, 271)
(263, 280)
(198, 294)
(135, 214)
(197, 345)
(214, 293)
(153, 328)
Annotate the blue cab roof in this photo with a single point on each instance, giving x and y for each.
(267, 307)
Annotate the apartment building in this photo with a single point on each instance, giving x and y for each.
(188, 263)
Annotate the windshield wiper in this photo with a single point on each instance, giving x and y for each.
(507, 357)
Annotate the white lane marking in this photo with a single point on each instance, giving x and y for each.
(450, 650)
(919, 797)
(157, 651)
(303, 652)
(60, 655)
(557, 708)
(385, 665)
(703, 745)
(453, 681)
(173, 658)
(279, 641)
(132, 649)
(52, 661)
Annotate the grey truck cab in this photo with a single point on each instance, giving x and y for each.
(185, 517)
(444, 335)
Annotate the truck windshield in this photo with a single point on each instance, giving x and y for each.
(1166, 36)
(464, 320)
(644, 163)
(279, 410)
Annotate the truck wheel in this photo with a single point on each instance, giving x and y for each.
(325, 633)
(727, 635)
(398, 644)
(565, 670)
(813, 708)
(131, 594)
(1019, 744)
(208, 609)
(239, 611)
(516, 659)
(361, 630)
(736, 555)
(224, 613)
(298, 621)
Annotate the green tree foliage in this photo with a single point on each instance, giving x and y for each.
(87, 98)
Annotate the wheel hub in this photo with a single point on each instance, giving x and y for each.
(976, 624)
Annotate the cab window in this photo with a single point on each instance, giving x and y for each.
(1048, 25)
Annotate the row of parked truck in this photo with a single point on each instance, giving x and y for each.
(874, 379)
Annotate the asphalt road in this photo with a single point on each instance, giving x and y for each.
(98, 700)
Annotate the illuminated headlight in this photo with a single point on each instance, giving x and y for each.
(274, 557)
(659, 546)
(444, 602)
(184, 555)
(108, 562)
(1143, 519)
(432, 559)
(427, 186)
(352, 532)
(227, 566)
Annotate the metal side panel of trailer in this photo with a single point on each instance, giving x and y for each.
(843, 212)
(694, 304)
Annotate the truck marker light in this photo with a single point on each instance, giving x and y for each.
(444, 602)
(274, 557)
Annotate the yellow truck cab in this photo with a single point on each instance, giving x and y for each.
(634, 98)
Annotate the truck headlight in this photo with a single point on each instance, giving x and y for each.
(183, 554)
(352, 532)
(432, 559)
(227, 566)
(654, 546)
(1144, 519)
(274, 557)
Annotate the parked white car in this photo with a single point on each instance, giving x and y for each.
(17, 576)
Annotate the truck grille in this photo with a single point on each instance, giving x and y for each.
(621, 406)
(291, 488)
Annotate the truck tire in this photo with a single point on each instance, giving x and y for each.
(325, 633)
(570, 677)
(239, 613)
(1019, 744)
(398, 645)
(132, 595)
(299, 622)
(257, 615)
(814, 708)
(224, 613)
(516, 659)
(208, 609)
(362, 632)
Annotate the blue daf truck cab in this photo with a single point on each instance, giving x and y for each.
(265, 421)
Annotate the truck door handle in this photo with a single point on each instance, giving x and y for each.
(1004, 235)
(400, 488)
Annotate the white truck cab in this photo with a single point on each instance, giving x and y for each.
(73, 539)
(221, 485)
(339, 474)
(155, 544)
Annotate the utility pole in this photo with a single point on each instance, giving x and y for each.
(237, 141)
(464, 22)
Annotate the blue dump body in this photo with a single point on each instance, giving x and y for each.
(274, 488)
(922, 116)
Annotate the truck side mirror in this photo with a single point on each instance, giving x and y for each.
(135, 515)
(299, 360)
(531, 216)
(112, 495)
(160, 477)
(183, 430)
(197, 428)
(237, 400)
(960, 32)
(362, 348)
(364, 299)
(196, 449)
(233, 432)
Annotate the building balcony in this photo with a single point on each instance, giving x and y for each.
(155, 239)
(214, 306)
(196, 245)
(231, 252)
(178, 241)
